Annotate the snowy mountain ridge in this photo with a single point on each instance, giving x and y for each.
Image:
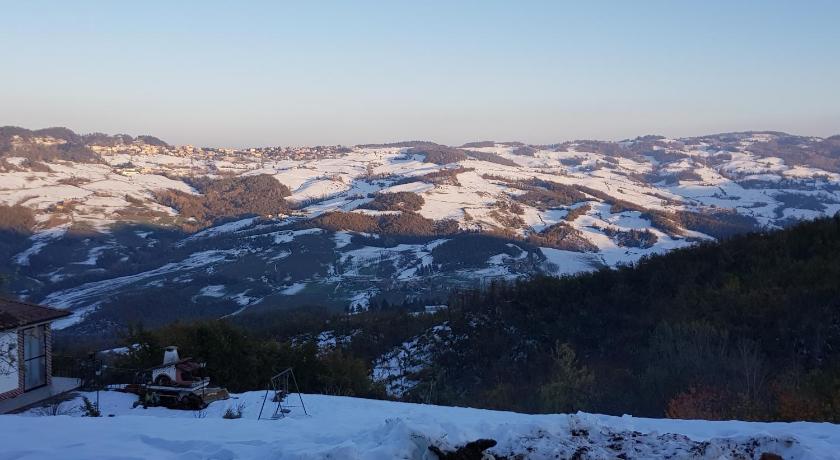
(116, 219)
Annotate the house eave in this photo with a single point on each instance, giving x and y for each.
(27, 325)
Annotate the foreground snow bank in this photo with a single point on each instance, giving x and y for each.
(350, 428)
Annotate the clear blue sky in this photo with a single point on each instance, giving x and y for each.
(318, 72)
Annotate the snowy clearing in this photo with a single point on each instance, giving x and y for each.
(351, 428)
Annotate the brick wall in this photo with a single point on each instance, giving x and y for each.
(21, 374)
(11, 394)
(48, 340)
(21, 370)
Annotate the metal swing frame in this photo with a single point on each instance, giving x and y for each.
(279, 387)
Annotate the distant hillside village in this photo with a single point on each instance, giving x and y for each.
(98, 224)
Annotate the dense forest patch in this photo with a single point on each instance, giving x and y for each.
(405, 223)
(492, 158)
(396, 201)
(542, 194)
(632, 238)
(18, 219)
(446, 176)
(226, 198)
(478, 144)
(440, 154)
(747, 328)
(562, 236)
(795, 150)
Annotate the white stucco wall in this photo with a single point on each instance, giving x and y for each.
(8, 371)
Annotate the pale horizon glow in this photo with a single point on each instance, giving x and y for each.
(305, 73)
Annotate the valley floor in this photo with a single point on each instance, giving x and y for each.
(351, 428)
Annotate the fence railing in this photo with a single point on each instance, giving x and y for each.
(93, 374)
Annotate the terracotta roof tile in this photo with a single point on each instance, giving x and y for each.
(14, 313)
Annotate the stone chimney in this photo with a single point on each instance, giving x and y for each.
(170, 355)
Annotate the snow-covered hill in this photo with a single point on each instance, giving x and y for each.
(368, 222)
(349, 428)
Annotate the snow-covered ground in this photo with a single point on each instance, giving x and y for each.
(351, 428)
(92, 193)
(396, 368)
(694, 175)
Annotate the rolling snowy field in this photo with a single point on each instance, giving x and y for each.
(351, 428)
(104, 241)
